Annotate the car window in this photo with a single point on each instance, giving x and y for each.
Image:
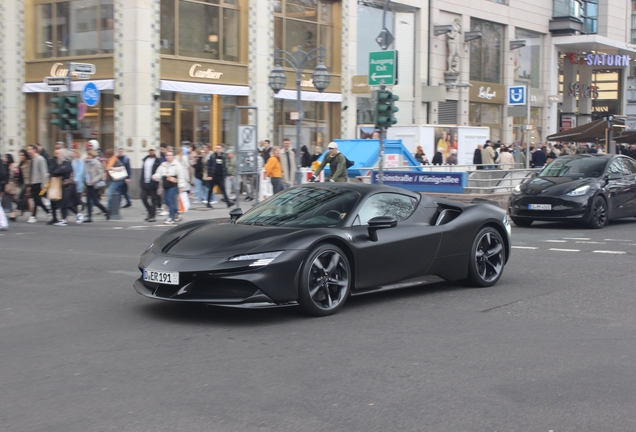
(394, 205)
(630, 164)
(617, 167)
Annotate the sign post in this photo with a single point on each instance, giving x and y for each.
(383, 68)
(517, 99)
(246, 153)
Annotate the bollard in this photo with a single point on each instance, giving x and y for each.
(113, 205)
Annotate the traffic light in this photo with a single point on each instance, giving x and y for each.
(58, 110)
(385, 109)
(70, 111)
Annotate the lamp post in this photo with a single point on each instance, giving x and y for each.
(298, 61)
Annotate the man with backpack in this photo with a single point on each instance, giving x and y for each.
(338, 165)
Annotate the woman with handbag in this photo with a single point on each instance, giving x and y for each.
(61, 175)
(170, 173)
(24, 203)
(95, 179)
(117, 174)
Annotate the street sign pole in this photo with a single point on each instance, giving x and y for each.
(381, 161)
(527, 130)
(69, 92)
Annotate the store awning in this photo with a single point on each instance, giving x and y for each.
(76, 86)
(309, 96)
(590, 132)
(203, 88)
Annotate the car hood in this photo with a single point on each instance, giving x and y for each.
(220, 240)
(553, 186)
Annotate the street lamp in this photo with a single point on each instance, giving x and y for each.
(298, 61)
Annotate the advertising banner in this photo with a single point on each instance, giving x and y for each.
(448, 182)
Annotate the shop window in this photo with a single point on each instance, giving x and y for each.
(486, 52)
(566, 8)
(73, 28)
(307, 24)
(315, 127)
(209, 30)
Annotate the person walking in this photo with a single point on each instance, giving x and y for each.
(171, 174)
(217, 172)
(477, 157)
(438, 158)
(24, 178)
(305, 157)
(337, 165)
(39, 178)
(488, 156)
(506, 160)
(274, 170)
(95, 179)
(9, 189)
(288, 163)
(149, 186)
(64, 170)
(113, 167)
(125, 160)
(420, 157)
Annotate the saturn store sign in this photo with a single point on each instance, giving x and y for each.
(615, 60)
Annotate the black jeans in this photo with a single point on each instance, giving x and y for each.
(92, 199)
(37, 199)
(150, 206)
(220, 182)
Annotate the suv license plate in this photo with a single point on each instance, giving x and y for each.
(168, 278)
(539, 206)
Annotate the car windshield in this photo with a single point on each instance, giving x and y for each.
(303, 206)
(575, 167)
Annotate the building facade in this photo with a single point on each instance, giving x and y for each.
(174, 71)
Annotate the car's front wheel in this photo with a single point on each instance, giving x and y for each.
(522, 222)
(325, 281)
(487, 258)
(598, 213)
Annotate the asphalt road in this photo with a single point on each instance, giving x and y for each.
(549, 348)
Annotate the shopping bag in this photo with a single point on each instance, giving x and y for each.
(184, 202)
(54, 192)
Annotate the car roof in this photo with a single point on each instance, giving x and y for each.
(362, 188)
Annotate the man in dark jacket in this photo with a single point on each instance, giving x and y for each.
(538, 158)
(477, 157)
(337, 165)
(148, 186)
(218, 172)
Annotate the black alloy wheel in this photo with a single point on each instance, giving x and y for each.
(487, 258)
(325, 281)
(522, 222)
(598, 213)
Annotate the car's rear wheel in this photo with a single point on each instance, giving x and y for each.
(325, 281)
(598, 213)
(487, 258)
(522, 222)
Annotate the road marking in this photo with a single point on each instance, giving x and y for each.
(590, 242)
(610, 252)
(620, 240)
(555, 241)
(118, 227)
(524, 247)
(565, 250)
(140, 226)
(576, 238)
(124, 272)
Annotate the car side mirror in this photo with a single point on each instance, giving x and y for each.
(235, 214)
(614, 176)
(378, 223)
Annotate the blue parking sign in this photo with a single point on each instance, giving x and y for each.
(90, 94)
(517, 95)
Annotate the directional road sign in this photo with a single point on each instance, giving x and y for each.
(86, 68)
(383, 68)
(517, 95)
(55, 81)
(90, 94)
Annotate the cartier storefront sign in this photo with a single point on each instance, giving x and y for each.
(203, 72)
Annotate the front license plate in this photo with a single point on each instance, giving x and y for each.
(168, 278)
(539, 206)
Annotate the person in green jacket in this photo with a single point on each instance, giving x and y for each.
(337, 165)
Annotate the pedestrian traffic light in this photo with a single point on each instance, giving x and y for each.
(70, 111)
(58, 110)
(385, 109)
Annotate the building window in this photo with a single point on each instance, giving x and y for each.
(566, 8)
(589, 15)
(73, 28)
(527, 60)
(485, 52)
(490, 115)
(210, 31)
(503, 2)
(316, 124)
(307, 24)
(633, 21)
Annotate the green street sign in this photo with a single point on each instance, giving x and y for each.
(383, 67)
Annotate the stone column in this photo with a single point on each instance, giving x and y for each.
(137, 91)
(12, 102)
(348, 117)
(261, 62)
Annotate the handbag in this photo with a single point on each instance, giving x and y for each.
(54, 191)
(100, 184)
(11, 188)
(117, 175)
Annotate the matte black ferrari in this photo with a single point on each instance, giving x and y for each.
(592, 189)
(315, 245)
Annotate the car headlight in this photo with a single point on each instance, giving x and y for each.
(517, 189)
(260, 259)
(581, 190)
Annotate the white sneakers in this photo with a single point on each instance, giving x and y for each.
(79, 218)
(32, 219)
(164, 213)
(61, 223)
(169, 221)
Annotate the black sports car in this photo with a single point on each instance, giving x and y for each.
(589, 188)
(316, 244)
